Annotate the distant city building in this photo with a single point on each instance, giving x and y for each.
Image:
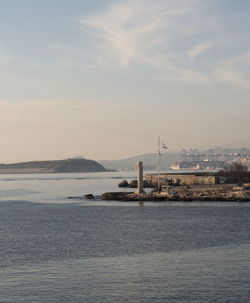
(193, 159)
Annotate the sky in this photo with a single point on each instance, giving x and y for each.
(103, 79)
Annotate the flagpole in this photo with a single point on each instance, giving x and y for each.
(160, 145)
(159, 155)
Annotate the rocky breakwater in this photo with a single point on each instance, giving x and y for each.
(134, 184)
(184, 194)
(230, 196)
(129, 196)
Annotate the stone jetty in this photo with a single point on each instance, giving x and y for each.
(215, 195)
(186, 187)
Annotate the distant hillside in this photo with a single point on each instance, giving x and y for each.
(54, 166)
(149, 161)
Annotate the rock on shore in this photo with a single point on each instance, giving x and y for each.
(189, 196)
(134, 184)
(129, 196)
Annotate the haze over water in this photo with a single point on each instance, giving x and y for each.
(102, 79)
(59, 250)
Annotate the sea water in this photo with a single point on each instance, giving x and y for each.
(54, 249)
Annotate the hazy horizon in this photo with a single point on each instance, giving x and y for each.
(102, 79)
(163, 152)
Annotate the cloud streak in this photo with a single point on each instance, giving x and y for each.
(199, 49)
(181, 40)
(4, 59)
(235, 71)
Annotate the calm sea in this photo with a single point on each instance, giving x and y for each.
(53, 249)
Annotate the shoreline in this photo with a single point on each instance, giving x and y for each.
(232, 194)
(33, 171)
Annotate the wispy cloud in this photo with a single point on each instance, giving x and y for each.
(199, 49)
(4, 59)
(46, 105)
(132, 29)
(184, 40)
(235, 71)
(61, 46)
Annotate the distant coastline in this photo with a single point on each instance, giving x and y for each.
(72, 165)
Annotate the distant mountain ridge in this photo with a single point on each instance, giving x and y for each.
(53, 166)
(150, 160)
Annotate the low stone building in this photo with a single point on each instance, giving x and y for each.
(183, 179)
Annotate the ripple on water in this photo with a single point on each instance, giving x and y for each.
(219, 274)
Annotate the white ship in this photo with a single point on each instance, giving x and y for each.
(195, 160)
